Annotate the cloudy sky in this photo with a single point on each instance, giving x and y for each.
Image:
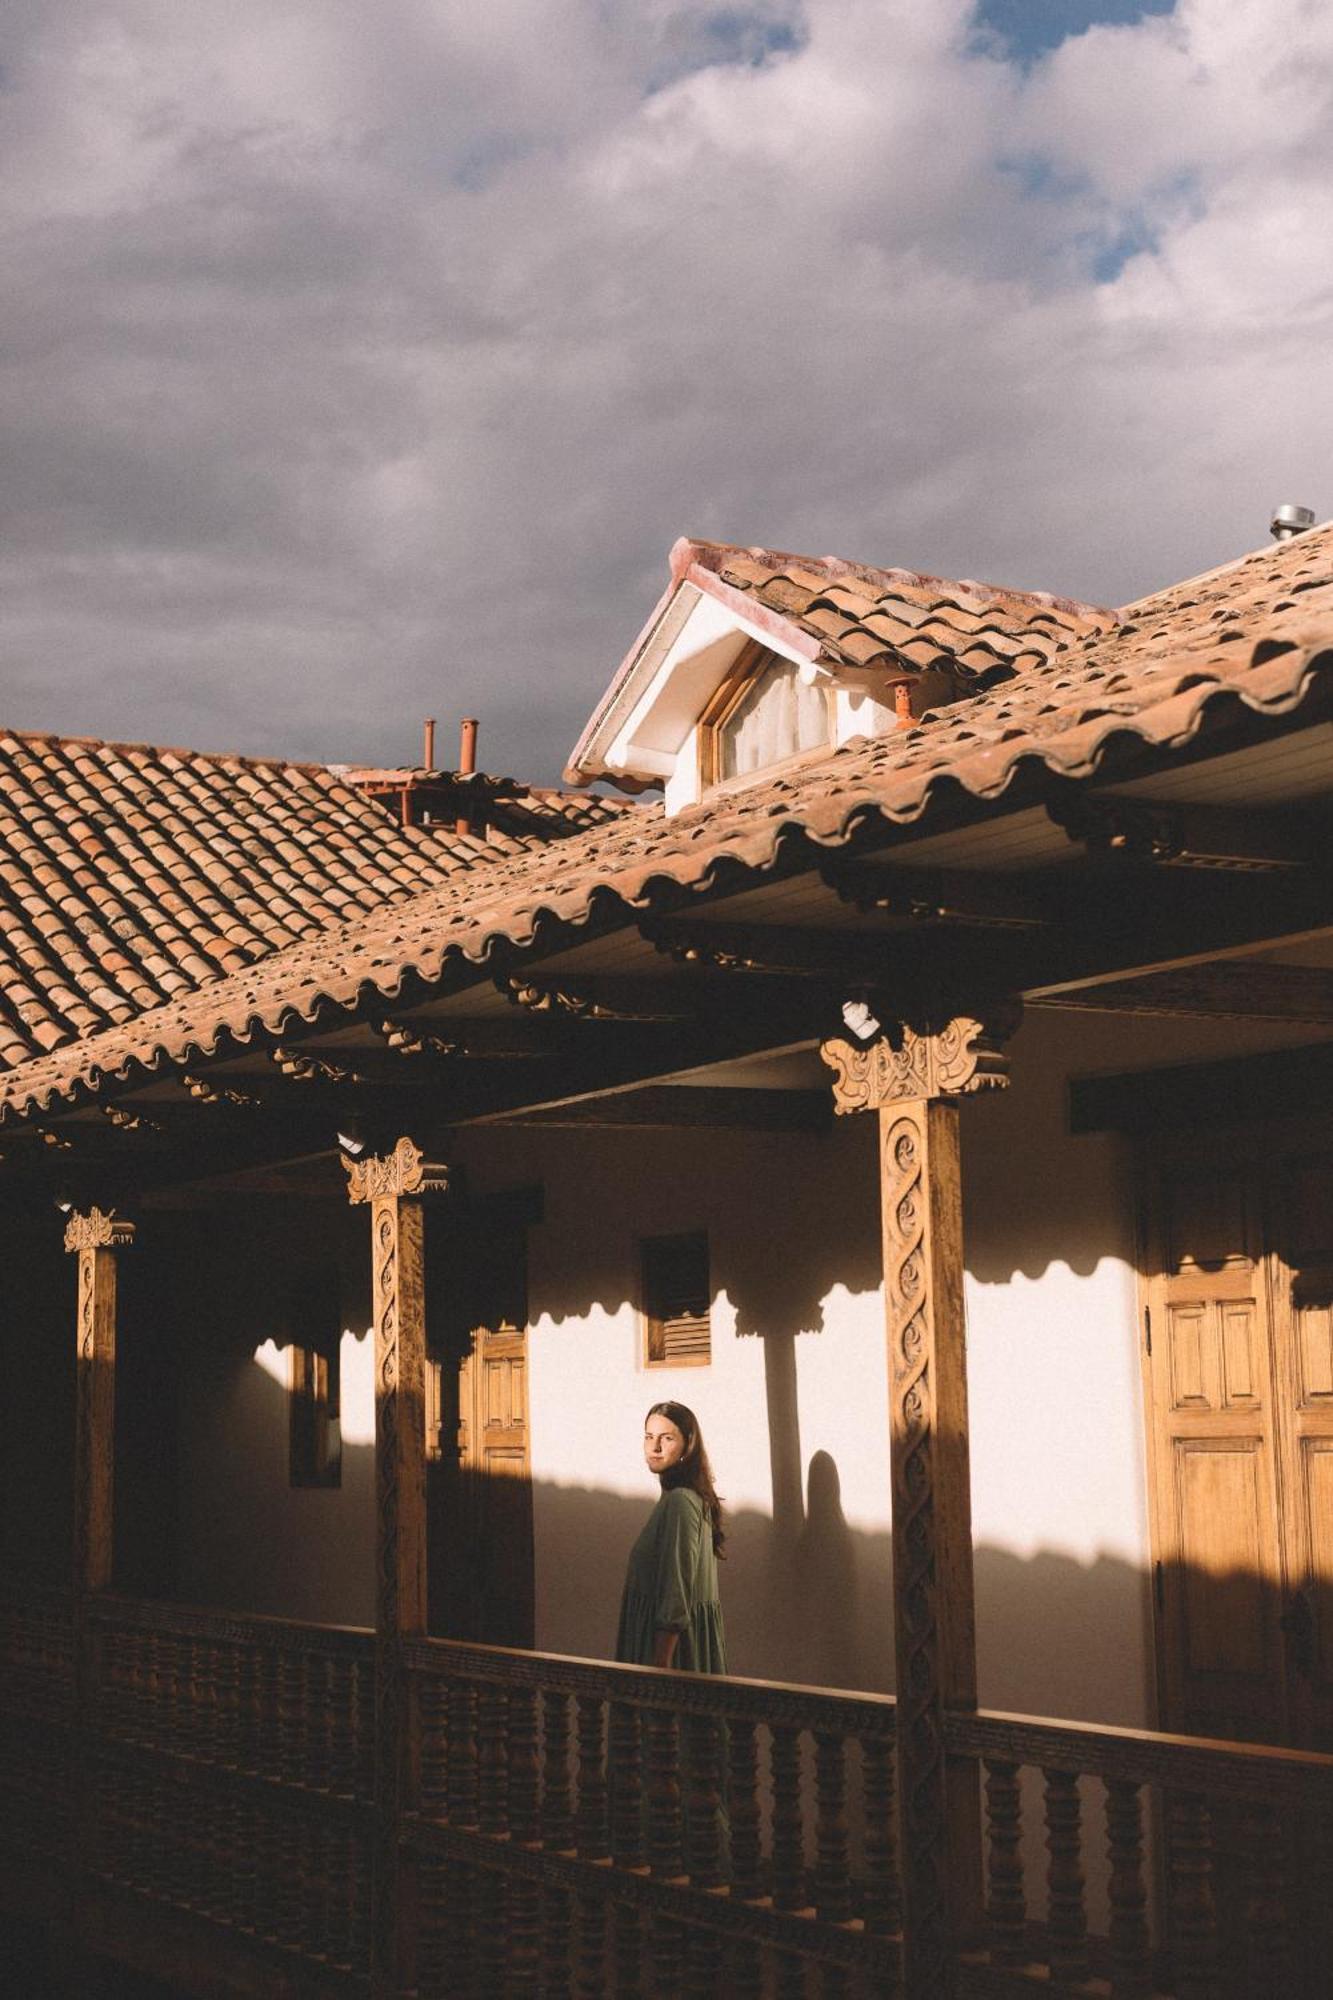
(363, 362)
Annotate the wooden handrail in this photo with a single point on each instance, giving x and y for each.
(1103, 1750)
(655, 1687)
(240, 1628)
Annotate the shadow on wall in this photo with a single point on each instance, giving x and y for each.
(1054, 1636)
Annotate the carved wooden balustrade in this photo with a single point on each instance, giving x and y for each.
(36, 1720)
(1149, 1864)
(584, 1829)
(231, 1772)
(588, 1830)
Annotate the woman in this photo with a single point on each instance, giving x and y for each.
(670, 1615)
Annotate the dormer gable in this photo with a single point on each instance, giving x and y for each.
(753, 658)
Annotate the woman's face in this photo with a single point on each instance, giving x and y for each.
(663, 1444)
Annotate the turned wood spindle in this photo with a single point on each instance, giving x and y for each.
(789, 1976)
(833, 1887)
(1270, 1964)
(703, 1962)
(590, 1963)
(558, 1797)
(558, 1939)
(1193, 1908)
(1131, 1951)
(525, 1925)
(743, 1970)
(883, 1901)
(788, 1831)
(592, 1840)
(491, 1933)
(664, 1799)
(1067, 1917)
(433, 1711)
(703, 1816)
(627, 1954)
(493, 1757)
(627, 1800)
(1006, 1902)
(462, 1782)
(743, 1807)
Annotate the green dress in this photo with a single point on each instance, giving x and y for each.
(671, 1586)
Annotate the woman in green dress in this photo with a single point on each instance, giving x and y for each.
(670, 1615)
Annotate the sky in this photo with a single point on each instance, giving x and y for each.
(363, 363)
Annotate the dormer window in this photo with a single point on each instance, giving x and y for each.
(765, 713)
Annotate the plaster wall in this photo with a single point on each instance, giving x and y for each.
(793, 1404)
(246, 1538)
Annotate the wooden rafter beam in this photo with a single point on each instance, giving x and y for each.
(1230, 988)
(1236, 839)
(688, 1107)
(1277, 1083)
(943, 896)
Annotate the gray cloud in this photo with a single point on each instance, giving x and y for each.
(355, 366)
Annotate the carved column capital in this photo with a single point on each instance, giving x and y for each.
(403, 1171)
(98, 1229)
(963, 1056)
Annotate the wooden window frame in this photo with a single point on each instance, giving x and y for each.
(655, 1323)
(314, 1429)
(752, 660)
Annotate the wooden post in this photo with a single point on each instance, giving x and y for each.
(392, 1185)
(95, 1236)
(914, 1087)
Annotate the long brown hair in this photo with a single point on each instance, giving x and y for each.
(692, 1468)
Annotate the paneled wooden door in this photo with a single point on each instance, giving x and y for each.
(479, 1469)
(1238, 1328)
(496, 1475)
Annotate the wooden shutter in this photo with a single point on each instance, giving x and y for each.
(676, 1298)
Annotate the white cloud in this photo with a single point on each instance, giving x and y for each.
(356, 365)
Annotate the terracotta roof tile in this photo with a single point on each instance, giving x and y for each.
(131, 875)
(1153, 676)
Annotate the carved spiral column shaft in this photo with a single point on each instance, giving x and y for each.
(94, 1238)
(913, 1082)
(392, 1187)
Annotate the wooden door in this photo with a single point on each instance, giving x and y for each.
(496, 1471)
(479, 1479)
(1218, 1570)
(1301, 1228)
(1239, 1325)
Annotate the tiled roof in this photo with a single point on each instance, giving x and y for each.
(897, 625)
(1256, 636)
(898, 619)
(131, 875)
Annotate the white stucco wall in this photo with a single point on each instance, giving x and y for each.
(794, 1404)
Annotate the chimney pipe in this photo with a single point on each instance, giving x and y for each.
(467, 764)
(1289, 520)
(428, 750)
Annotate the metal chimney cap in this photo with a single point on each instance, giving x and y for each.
(1289, 520)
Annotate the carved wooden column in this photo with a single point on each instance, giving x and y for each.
(392, 1185)
(915, 1088)
(95, 1236)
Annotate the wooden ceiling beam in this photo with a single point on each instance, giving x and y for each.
(686, 1107)
(1239, 840)
(1229, 988)
(1010, 901)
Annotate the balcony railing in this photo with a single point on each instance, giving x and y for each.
(1209, 1865)
(649, 1832)
(583, 1829)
